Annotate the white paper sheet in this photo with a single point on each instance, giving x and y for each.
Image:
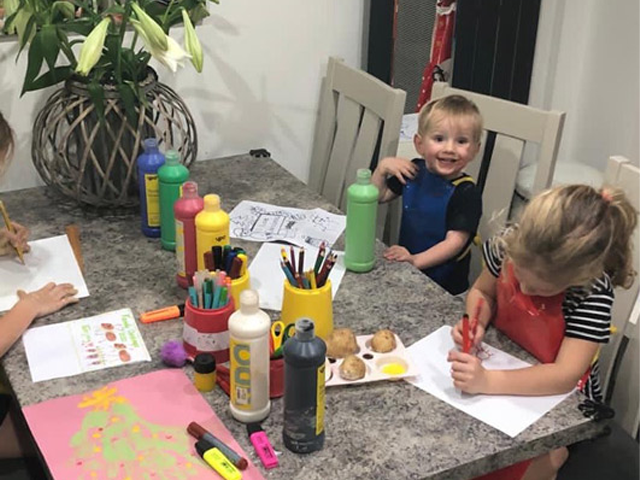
(409, 126)
(70, 348)
(261, 222)
(49, 260)
(268, 278)
(510, 414)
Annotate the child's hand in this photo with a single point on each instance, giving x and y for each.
(10, 240)
(476, 338)
(467, 372)
(48, 299)
(401, 168)
(396, 253)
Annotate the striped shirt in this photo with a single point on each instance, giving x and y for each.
(587, 311)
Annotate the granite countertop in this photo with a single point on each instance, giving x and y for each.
(378, 430)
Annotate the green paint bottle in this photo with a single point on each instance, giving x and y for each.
(362, 210)
(171, 176)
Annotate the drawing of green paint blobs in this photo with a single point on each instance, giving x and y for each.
(115, 443)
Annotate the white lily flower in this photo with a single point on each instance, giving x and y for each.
(172, 58)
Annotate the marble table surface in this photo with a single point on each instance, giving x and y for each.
(386, 430)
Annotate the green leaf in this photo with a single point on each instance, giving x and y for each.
(96, 92)
(50, 44)
(129, 99)
(57, 75)
(34, 64)
(81, 26)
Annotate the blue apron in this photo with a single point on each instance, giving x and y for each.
(424, 221)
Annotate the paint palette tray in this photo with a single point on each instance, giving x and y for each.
(392, 365)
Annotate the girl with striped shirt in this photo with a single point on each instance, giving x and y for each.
(548, 284)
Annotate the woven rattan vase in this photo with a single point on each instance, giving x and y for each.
(94, 162)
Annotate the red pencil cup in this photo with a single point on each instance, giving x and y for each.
(276, 377)
(207, 330)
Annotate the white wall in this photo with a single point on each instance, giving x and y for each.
(587, 63)
(259, 87)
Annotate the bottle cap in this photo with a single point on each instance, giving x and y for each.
(305, 329)
(204, 363)
(212, 202)
(189, 189)
(150, 143)
(172, 157)
(363, 175)
(249, 301)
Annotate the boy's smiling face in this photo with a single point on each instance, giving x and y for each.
(448, 146)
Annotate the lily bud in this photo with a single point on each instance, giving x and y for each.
(153, 32)
(191, 42)
(92, 47)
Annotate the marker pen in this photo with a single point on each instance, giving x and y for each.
(218, 461)
(262, 445)
(167, 313)
(197, 431)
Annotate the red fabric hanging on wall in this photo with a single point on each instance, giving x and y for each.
(439, 66)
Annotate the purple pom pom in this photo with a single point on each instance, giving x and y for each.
(173, 354)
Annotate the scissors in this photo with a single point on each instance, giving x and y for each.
(279, 335)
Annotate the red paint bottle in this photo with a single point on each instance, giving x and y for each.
(185, 210)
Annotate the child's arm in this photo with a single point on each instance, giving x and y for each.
(30, 306)
(482, 294)
(572, 362)
(400, 168)
(451, 246)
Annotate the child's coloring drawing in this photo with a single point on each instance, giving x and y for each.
(261, 222)
(69, 348)
(133, 429)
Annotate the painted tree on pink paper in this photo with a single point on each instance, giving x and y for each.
(115, 443)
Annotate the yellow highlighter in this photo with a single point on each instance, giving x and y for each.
(217, 461)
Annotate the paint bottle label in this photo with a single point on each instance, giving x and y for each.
(153, 200)
(241, 378)
(320, 400)
(182, 266)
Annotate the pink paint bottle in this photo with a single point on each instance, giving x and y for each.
(185, 210)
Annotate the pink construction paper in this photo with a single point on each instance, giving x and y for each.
(132, 429)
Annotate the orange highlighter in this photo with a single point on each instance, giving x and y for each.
(167, 313)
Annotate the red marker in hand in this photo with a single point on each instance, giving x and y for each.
(466, 334)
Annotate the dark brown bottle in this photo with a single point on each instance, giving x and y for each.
(304, 375)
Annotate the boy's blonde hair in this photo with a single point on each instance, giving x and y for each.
(6, 143)
(569, 235)
(455, 106)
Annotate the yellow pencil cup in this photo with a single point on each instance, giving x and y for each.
(238, 285)
(316, 304)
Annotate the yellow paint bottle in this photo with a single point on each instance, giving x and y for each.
(212, 227)
(204, 376)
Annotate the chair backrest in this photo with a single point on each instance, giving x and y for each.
(626, 310)
(357, 113)
(514, 125)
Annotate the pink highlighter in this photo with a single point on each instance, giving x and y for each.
(262, 446)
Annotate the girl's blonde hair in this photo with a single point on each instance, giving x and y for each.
(455, 106)
(6, 143)
(569, 235)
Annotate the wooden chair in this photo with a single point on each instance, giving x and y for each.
(496, 170)
(617, 454)
(358, 113)
(620, 362)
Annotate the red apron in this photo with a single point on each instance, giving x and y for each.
(537, 325)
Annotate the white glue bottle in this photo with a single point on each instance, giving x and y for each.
(249, 330)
